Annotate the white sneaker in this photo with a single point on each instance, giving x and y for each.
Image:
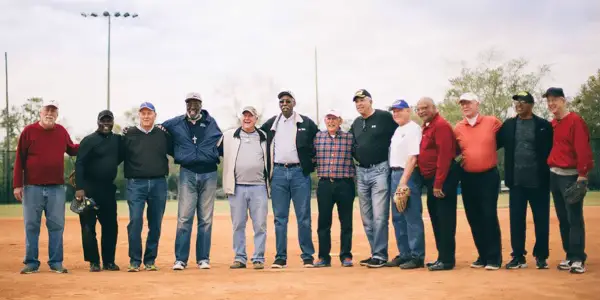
(179, 265)
(577, 267)
(564, 265)
(203, 265)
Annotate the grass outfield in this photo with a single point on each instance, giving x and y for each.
(222, 206)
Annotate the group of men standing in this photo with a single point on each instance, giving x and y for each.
(381, 154)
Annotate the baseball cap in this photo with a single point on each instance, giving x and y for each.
(105, 113)
(193, 96)
(524, 96)
(468, 97)
(285, 93)
(399, 104)
(362, 93)
(251, 110)
(147, 105)
(333, 112)
(50, 103)
(554, 91)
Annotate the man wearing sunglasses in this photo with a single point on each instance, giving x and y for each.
(373, 131)
(291, 157)
(527, 141)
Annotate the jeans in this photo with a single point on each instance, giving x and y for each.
(291, 184)
(480, 198)
(196, 195)
(408, 225)
(570, 218)
(249, 199)
(105, 197)
(374, 200)
(51, 200)
(340, 192)
(539, 200)
(139, 192)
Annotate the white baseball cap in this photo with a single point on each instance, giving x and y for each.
(193, 96)
(50, 103)
(469, 97)
(333, 112)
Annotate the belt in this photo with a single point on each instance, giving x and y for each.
(287, 165)
(331, 179)
(396, 168)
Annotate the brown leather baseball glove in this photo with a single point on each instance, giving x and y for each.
(401, 198)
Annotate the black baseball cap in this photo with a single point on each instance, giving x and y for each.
(362, 93)
(555, 92)
(524, 96)
(285, 93)
(105, 113)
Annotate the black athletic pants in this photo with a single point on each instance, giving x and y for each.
(104, 195)
(539, 200)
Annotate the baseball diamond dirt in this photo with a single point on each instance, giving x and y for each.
(296, 282)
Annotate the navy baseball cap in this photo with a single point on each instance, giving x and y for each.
(554, 91)
(399, 104)
(147, 105)
(362, 93)
(524, 96)
(105, 113)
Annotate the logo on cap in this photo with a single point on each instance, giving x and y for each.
(147, 105)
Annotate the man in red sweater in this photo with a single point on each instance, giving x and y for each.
(570, 161)
(38, 182)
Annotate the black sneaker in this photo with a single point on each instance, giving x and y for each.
(279, 264)
(237, 265)
(412, 264)
(432, 263)
(478, 264)
(308, 263)
(365, 262)
(376, 263)
(95, 267)
(518, 262)
(29, 270)
(111, 267)
(397, 261)
(541, 263)
(59, 269)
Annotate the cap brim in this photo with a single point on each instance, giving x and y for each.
(104, 116)
(190, 99)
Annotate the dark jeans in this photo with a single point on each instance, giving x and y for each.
(104, 195)
(340, 192)
(140, 192)
(539, 200)
(442, 212)
(570, 218)
(480, 198)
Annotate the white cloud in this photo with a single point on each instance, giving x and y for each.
(395, 49)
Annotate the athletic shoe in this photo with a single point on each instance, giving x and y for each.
(376, 263)
(321, 263)
(179, 266)
(133, 268)
(541, 263)
(111, 267)
(412, 264)
(365, 262)
(397, 261)
(279, 264)
(237, 265)
(432, 263)
(59, 269)
(29, 270)
(204, 265)
(564, 265)
(347, 262)
(308, 263)
(577, 267)
(258, 265)
(95, 267)
(492, 267)
(518, 262)
(150, 267)
(478, 264)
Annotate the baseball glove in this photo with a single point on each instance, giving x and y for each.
(401, 198)
(86, 204)
(575, 192)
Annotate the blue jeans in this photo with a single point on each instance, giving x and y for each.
(374, 199)
(408, 225)
(140, 192)
(51, 200)
(196, 195)
(253, 199)
(291, 184)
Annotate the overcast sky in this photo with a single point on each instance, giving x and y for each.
(395, 49)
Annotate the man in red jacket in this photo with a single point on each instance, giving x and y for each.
(38, 182)
(570, 161)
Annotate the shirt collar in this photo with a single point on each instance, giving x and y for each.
(144, 130)
(473, 121)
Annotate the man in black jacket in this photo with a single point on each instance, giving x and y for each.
(291, 152)
(527, 141)
(96, 169)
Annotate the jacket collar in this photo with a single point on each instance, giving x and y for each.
(206, 117)
(262, 136)
(297, 116)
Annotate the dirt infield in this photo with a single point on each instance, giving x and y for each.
(295, 282)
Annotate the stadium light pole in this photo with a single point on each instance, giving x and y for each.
(109, 16)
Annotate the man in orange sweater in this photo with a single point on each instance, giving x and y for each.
(480, 181)
(570, 161)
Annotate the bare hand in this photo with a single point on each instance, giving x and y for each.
(581, 178)
(124, 130)
(438, 193)
(18, 193)
(401, 186)
(79, 195)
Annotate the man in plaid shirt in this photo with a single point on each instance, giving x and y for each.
(335, 169)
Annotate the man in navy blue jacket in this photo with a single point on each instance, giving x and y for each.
(195, 137)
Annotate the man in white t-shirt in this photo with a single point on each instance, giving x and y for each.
(408, 225)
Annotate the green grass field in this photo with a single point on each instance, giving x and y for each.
(222, 206)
